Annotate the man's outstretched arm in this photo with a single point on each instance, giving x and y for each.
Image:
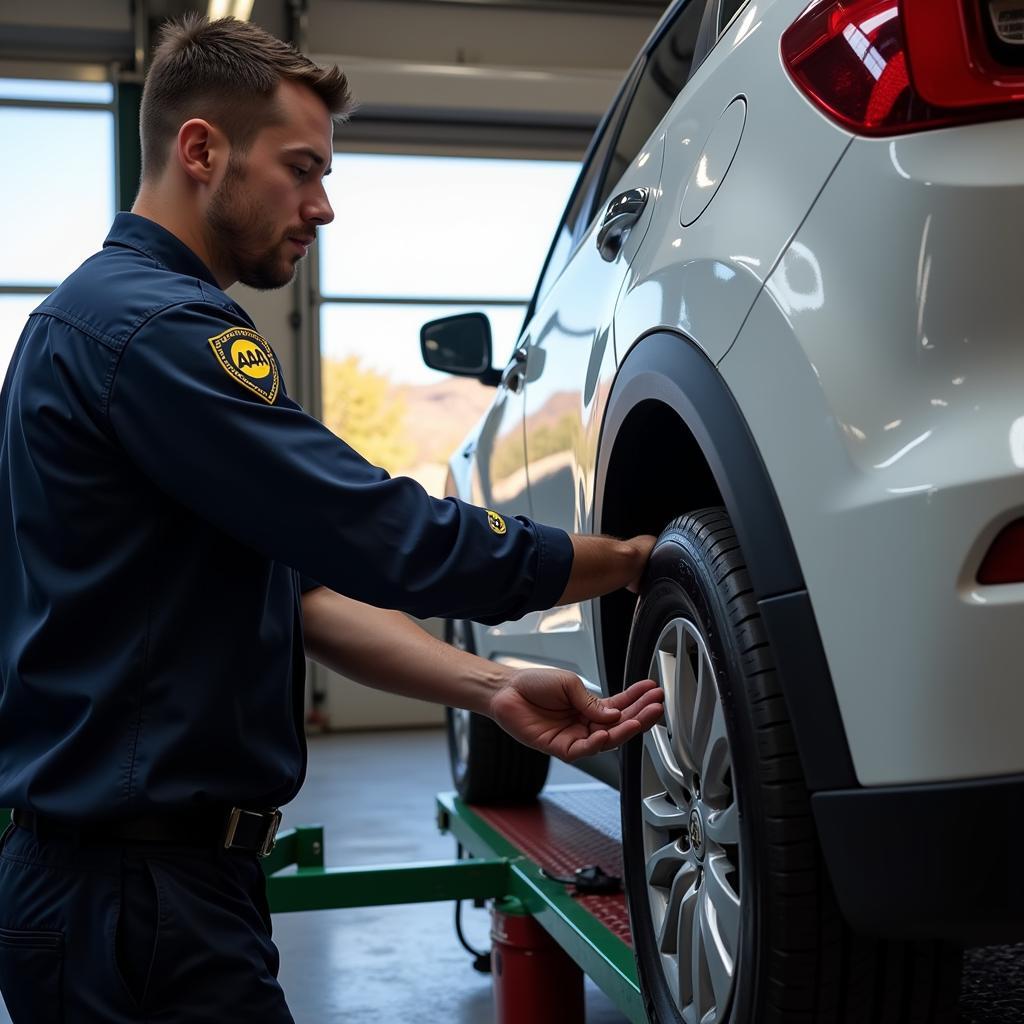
(547, 709)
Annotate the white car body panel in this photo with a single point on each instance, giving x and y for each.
(881, 374)
(703, 279)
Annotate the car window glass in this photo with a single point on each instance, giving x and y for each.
(728, 11)
(664, 75)
(578, 212)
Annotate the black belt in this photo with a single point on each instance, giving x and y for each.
(234, 829)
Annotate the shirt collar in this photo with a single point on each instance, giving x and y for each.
(148, 237)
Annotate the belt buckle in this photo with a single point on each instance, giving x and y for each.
(270, 836)
(270, 839)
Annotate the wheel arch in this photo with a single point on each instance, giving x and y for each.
(667, 389)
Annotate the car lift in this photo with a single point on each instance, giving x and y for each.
(545, 938)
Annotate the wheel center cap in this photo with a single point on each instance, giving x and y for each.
(696, 832)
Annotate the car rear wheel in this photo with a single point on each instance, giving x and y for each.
(732, 912)
(488, 766)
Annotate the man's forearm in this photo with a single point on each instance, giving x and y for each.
(603, 564)
(388, 651)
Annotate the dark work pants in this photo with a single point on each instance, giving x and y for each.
(132, 933)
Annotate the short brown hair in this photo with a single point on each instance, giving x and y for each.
(225, 71)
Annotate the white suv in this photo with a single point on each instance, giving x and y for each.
(780, 325)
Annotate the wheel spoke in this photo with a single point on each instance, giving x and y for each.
(716, 762)
(723, 827)
(661, 813)
(664, 864)
(705, 704)
(701, 995)
(688, 911)
(682, 884)
(724, 905)
(663, 671)
(719, 965)
(671, 668)
(659, 751)
(686, 695)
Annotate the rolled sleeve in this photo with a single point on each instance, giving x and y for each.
(554, 563)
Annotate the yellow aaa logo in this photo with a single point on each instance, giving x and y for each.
(249, 358)
(496, 523)
(246, 358)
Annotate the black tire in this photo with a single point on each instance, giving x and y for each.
(488, 766)
(795, 960)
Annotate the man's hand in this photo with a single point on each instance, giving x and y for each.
(552, 711)
(643, 546)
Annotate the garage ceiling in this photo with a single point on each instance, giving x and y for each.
(106, 31)
(569, 6)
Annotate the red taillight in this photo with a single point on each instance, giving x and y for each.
(884, 67)
(1004, 562)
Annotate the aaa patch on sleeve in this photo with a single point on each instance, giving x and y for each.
(247, 358)
(495, 522)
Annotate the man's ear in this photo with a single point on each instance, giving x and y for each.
(201, 150)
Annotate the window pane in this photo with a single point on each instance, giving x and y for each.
(434, 227)
(577, 216)
(664, 76)
(58, 92)
(14, 311)
(728, 12)
(380, 397)
(58, 177)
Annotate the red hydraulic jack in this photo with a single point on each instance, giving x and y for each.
(534, 978)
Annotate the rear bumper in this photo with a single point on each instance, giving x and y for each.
(937, 861)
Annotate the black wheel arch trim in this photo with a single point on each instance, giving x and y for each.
(669, 368)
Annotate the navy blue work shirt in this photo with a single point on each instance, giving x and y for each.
(160, 495)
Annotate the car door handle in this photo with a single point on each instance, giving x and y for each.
(512, 377)
(619, 216)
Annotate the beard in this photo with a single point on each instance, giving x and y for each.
(241, 233)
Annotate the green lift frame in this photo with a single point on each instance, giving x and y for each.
(495, 870)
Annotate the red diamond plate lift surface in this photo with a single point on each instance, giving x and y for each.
(570, 827)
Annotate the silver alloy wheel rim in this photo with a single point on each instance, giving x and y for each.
(460, 726)
(691, 829)
(460, 716)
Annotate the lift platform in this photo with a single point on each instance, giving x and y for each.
(513, 852)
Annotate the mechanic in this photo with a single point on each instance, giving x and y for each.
(177, 534)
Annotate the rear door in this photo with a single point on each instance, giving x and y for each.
(567, 352)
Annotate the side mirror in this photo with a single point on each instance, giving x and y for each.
(460, 345)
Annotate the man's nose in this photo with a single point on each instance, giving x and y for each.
(319, 210)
